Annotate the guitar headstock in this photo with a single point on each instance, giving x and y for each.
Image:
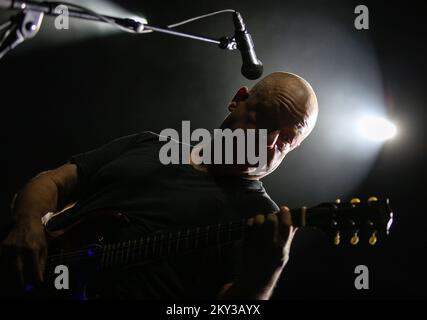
(351, 221)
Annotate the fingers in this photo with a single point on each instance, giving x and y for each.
(267, 241)
(285, 225)
(28, 267)
(263, 228)
(22, 256)
(21, 267)
(42, 263)
(276, 228)
(273, 226)
(249, 234)
(19, 270)
(12, 274)
(252, 233)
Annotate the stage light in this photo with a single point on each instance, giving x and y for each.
(344, 71)
(376, 128)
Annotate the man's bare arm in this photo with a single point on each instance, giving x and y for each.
(252, 288)
(23, 251)
(49, 191)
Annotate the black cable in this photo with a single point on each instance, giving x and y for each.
(5, 25)
(114, 23)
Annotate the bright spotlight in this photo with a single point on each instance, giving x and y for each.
(376, 128)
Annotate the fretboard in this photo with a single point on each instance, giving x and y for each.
(162, 244)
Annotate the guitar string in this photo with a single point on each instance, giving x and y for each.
(176, 234)
(139, 244)
(125, 245)
(205, 229)
(113, 258)
(111, 250)
(150, 259)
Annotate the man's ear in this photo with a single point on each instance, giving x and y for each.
(241, 95)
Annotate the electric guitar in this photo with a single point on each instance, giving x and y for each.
(82, 250)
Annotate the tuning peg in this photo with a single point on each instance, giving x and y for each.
(373, 239)
(337, 238)
(355, 200)
(338, 200)
(354, 239)
(372, 199)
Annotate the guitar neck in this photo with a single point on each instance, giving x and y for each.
(162, 244)
(349, 219)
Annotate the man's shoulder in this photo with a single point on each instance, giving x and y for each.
(266, 202)
(149, 136)
(256, 198)
(146, 135)
(139, 137)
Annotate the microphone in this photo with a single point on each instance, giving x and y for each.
(252, 67)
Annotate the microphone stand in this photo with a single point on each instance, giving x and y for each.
(27, 22)
(23, 26)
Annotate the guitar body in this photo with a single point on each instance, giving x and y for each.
(84, 237)
(91, 229)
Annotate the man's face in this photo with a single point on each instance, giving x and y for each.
(282, 110)
(283, 134)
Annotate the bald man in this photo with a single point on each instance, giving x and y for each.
(126, 175)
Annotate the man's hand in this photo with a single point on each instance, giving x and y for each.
(22, 255)
(264, 253)
(267, 242)
(23, 252)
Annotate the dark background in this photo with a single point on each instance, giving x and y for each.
(65, 98)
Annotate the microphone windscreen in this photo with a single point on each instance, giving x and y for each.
(252, 71)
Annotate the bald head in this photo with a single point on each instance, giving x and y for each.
(290, 93)
(283, 104)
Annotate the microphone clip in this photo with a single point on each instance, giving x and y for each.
(23, 26)
(228, 43)
(231, 43)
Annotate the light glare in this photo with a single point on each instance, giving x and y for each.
(376, 128)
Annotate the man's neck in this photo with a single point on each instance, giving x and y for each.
(196, 161)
